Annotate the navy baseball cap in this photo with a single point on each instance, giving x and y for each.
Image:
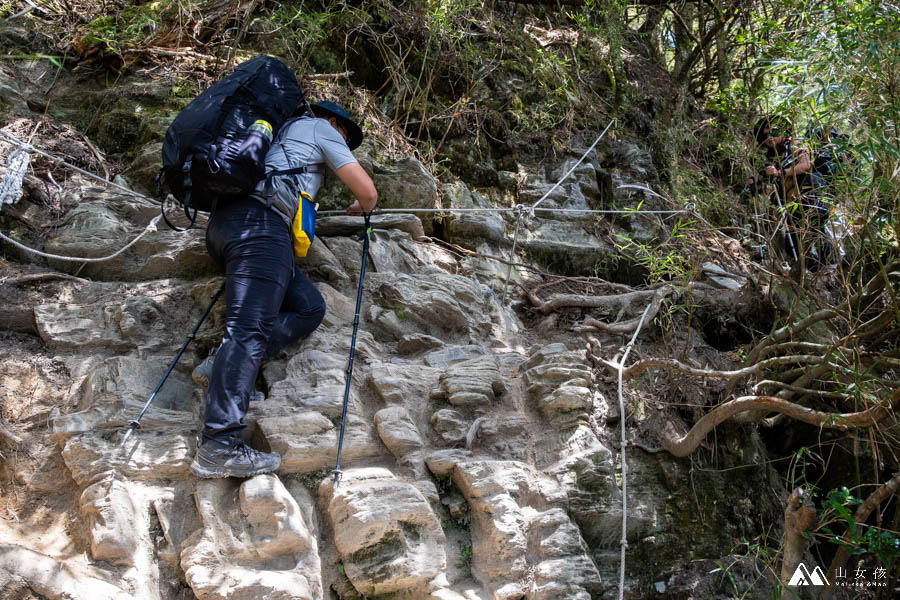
(330, 109)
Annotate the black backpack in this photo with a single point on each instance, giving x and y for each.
(215, 149)
(834, 154)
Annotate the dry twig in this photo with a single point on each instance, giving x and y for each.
(167, 52)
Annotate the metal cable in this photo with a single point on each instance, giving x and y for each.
(575, 166)
(150, 227)
(623, 542)
(17, 171)
(625, 211)
(512, 253)
(32, 150)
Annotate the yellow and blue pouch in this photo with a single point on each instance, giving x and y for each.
(303, 229)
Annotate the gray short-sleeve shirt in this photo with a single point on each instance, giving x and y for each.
(305, 141)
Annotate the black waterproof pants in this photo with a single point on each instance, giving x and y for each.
(812, 213)
(270, 304)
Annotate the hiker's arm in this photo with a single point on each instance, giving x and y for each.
(359, 182)
(801, 166)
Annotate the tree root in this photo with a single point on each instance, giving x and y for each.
(639, 367)
(9, 436)
(36, 277)
(880, 495)
(686, 444)
(873, 288)
(624, 300)
(799, 519)
(52, 578)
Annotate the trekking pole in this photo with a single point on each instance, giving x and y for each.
(359, 293)
(787, 230)
(759, 235)
(137, 422)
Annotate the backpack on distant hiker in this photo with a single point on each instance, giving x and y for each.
(215, 149)
(834, 154)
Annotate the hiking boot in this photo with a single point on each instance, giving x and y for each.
(202, 373)
(217, 459)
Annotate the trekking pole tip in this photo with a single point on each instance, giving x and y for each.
(127, 435)
(131, 427)
(337, 478)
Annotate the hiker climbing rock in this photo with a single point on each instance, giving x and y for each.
(270, 302)
(797, 188)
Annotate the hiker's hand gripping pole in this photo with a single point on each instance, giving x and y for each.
(137, 422)
(359, 293)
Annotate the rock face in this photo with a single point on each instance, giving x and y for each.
(478, 455)
(468, 227)
(523, 543)
(268, 551)
(388, 537)
(95, 229)
(472, 383)
(558, 382)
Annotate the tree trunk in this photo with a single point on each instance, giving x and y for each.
(723, 64)
(648, 33)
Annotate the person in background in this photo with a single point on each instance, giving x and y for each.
(797, 188)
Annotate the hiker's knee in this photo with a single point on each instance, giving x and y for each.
(317, 309)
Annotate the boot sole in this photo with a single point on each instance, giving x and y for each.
(222, 472)
(201, 380)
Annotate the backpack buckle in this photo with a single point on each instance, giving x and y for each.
(186, 169)
(211, 162)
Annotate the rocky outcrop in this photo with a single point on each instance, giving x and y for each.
(109, 511)
(155, 455)
(523, 543)
(558, 382)
(254, 542)
(388, 537)
(307, 441)
(474, 383)
(111, 394)
(398, 431)
(450, 425)
(478, 460)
